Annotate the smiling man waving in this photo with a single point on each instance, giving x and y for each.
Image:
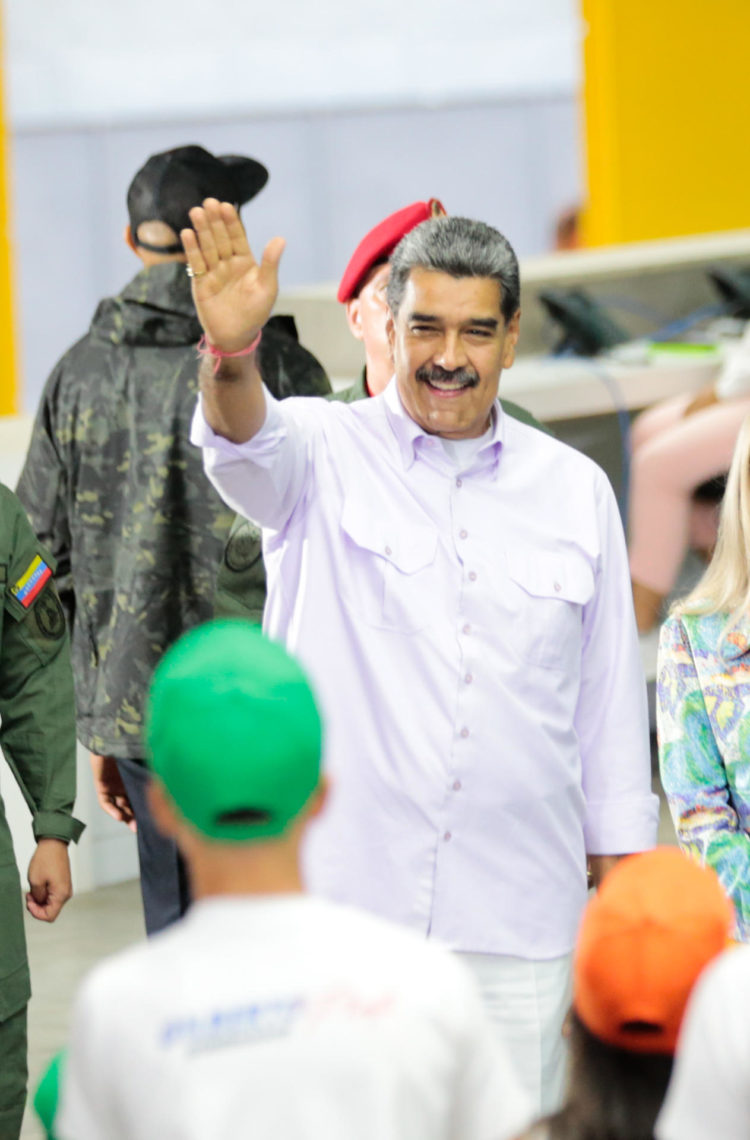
(456, 583)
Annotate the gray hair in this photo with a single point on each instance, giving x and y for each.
(459, 247)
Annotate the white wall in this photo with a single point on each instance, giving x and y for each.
(333, 176)
(84, 61)
(356, 110)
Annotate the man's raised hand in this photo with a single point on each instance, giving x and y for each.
(233, 294)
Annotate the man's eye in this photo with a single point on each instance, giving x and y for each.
(422, 328)
(485, 334)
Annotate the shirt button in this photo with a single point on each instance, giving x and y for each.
(558, 587)
(464, 733)
(456, 785)
(472, 575)
(466, 629)
(468, 678)
(447, 837)
(388, 551)
(463, 534)
(459, 482)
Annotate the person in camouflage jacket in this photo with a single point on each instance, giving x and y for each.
(118, 495)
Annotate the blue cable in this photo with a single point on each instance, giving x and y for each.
(682, 324)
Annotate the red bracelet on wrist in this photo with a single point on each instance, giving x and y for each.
(205, 348)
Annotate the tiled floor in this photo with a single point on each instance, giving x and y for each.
(92, 926)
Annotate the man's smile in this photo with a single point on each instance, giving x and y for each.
(447, 383)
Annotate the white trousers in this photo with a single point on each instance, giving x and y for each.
(528, 1002)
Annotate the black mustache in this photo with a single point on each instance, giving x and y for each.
(430, 372)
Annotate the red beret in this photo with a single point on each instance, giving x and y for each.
(380, 242)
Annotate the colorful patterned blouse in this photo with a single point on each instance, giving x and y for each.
(703, 720)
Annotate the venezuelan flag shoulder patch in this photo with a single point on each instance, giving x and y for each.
(32, 582)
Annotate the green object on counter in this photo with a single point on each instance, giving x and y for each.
(682, 348)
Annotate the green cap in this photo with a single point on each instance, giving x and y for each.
(48, 1092)
(233, 732)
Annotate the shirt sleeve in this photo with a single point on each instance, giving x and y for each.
(490, 1102)
(611, 719)
(36, 691)
(265, 478)
(709, 1093)
(693, 774)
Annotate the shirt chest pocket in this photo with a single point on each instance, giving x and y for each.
(389, 577)
(548, 593)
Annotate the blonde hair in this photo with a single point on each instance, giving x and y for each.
(725, 586)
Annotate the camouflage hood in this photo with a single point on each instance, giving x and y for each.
(155, 310)
(119, 495)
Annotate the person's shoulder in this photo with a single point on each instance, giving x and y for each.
(355, 392)
(721, 984)
(15, 528)
(10, 504)
(731, 967)
(12, 515)
(75, 377)
(68, 369)
(527, 441)
(329, 412)
(131, 970)
(308, 409)
(703, 631)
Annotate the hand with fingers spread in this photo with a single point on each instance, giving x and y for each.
(233, 293)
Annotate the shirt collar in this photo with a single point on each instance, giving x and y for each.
(410, 437)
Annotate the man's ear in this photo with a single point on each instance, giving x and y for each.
(129, 240)
(390, 330)
(160, 805)
(354, 317)
(512, 330)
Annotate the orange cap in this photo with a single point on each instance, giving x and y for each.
(657, 920)
(380, 242)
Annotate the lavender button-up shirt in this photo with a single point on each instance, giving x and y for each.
(470, 634)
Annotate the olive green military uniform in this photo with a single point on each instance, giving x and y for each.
(37, 735)
(241, 580)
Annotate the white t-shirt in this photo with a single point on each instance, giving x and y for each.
(709, 1094)
(282, 1018)
(463, 452)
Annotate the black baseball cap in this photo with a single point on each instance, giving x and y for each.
(174, 181)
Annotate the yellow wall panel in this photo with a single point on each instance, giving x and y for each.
(667, 118)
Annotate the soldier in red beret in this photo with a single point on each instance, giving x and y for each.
(362, 290)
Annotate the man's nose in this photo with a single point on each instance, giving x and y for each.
(451, 353)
